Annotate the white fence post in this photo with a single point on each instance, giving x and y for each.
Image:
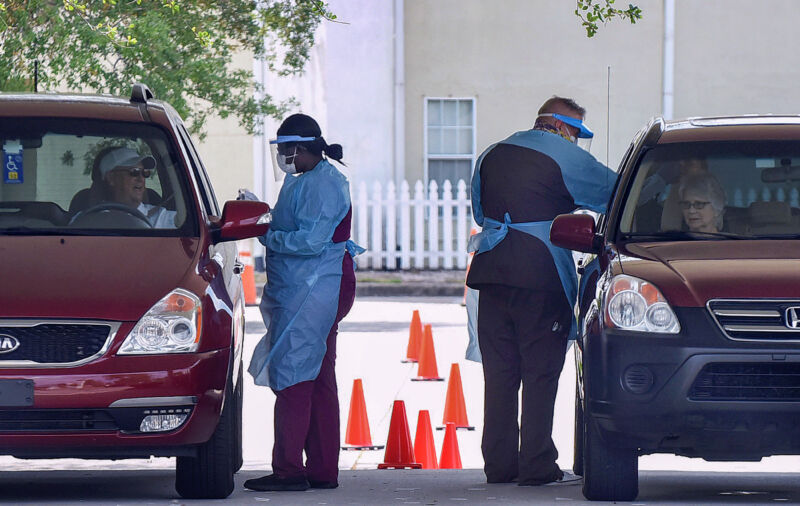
(447, 224)
(405, 227)
(391, 226)
(419, 226)
(377, 226)
(362, 211)
(461, 225)
(433, 225)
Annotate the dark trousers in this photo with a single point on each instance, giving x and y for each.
(523, 337)
(307, 414)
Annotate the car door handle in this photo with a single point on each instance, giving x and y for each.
(238, 267)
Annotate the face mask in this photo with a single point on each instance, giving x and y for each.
(288, 168)
(565, 134)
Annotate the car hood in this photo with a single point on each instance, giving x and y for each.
(691, 273)
(108, 278)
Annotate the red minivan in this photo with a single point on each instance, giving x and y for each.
(121, 309)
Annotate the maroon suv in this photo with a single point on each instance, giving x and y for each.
(690, 301)
(121, 324)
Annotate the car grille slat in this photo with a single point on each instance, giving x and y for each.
(756, 320)
(56, 420)
(747, 381)
(54, 343)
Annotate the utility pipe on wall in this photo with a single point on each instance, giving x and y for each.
(398, 171)
(668, 85)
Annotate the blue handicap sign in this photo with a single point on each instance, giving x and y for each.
(12, 168)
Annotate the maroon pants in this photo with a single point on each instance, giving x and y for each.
(307, 414)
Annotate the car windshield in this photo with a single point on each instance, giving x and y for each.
(90, 177)
(715, 190)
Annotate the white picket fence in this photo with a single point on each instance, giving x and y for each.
(428, 231)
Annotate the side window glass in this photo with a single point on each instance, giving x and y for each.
(209, 199)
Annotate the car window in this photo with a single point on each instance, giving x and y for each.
(91, 177)
(715, 189)
(209, 199)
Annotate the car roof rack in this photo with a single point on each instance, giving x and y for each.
(140, 93)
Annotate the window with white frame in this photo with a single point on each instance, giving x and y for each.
(449, 139)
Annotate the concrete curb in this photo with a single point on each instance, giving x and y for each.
(409, 289)
(366, 289)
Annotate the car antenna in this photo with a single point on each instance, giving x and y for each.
(36, 76)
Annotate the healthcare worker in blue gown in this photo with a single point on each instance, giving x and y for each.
(310, 288)
(526, 286)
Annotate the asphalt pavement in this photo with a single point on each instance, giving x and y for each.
(372, 343)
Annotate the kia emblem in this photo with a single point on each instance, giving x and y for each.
(793, 317)
(8, 343)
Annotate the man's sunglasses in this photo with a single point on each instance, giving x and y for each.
(136, 171)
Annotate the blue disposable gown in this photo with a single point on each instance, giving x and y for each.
(304, 272)
(588, 181)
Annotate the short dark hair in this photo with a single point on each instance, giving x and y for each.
(554, 103)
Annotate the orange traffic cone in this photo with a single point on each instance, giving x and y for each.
(357, 436)
(455, 410)
(248, 279)
(424, 449)
(451, 458)
(399, 452)
(414, 338)
(427, 370)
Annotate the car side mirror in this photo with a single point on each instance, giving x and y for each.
(575, 232)
(243, 219)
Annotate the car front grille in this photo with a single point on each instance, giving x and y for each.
(724, 381)
(757, 320)
(59, 343)
(56, 420)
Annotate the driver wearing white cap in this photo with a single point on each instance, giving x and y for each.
(125, 172)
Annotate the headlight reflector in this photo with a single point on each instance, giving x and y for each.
(172, 325)
(635, 304)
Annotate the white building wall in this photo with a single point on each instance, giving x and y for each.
(347, 88)
(736, 57)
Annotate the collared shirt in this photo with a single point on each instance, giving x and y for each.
(158, 216)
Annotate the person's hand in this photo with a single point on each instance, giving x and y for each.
(245, 194)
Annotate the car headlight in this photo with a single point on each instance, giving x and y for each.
(635, 304)
(172, 325)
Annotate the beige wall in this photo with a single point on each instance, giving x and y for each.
(511, 59)
(736, 56)
(227, 151)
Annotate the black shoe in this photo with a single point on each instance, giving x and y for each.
(272, 483)
(323, 484)
(501, 479)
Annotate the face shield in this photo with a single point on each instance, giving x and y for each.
(282, 161)
(584, 137)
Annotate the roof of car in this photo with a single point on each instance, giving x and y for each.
(79, 105)
(731, 128)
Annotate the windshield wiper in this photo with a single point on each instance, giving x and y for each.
(38, 231)
(683, 234)
(776, 236)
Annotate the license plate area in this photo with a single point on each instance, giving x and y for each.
(16, 392)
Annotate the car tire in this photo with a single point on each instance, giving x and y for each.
(577, 457)
(610, 473)
(210, 474)
(238, 396)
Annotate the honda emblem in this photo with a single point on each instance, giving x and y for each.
(793, 317)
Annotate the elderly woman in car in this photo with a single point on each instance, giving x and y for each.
(702, 202)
